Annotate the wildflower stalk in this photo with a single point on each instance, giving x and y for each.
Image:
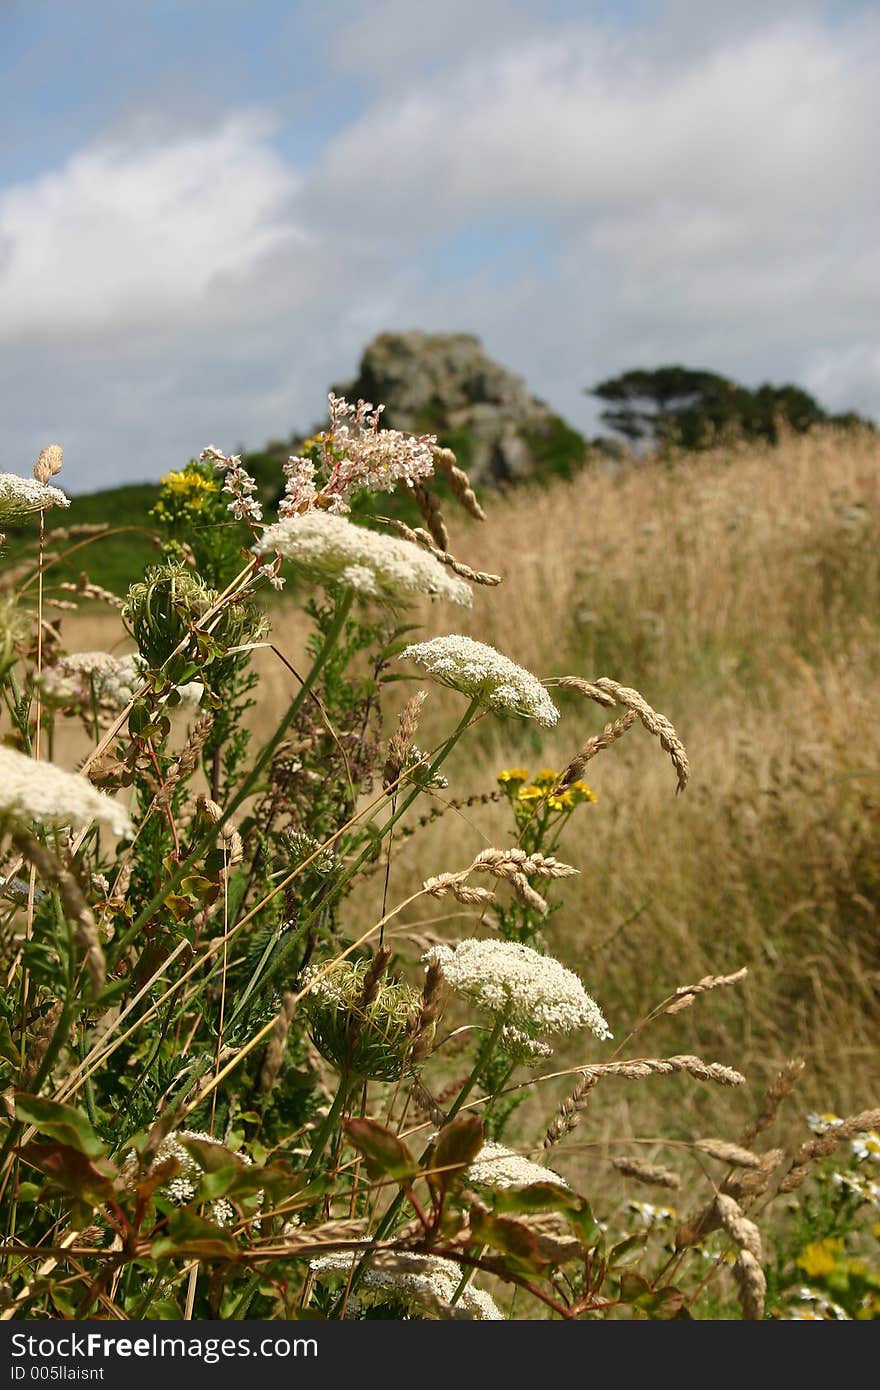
(277, 959)
(249, 782)
(326, 1128)
(390, 1216)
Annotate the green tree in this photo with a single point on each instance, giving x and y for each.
(692, 406)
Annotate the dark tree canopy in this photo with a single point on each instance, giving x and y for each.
(692, 407)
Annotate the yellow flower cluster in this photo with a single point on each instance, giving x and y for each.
(540, 788)
(188, 487)
(820, 1257)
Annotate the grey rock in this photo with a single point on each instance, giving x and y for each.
(445, 384)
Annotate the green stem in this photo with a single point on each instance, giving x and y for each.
(247, 785)
(241, 1308)
(61, 1032)
(391, 1214)
(323, 1133)
(283, 949)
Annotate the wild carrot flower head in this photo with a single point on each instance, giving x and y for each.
(75, 678)
(38, 792)
(424, 1285)
(183, 1187)
(22, 497)
(532, 992)
(332, 550)
(497, 1166)
(366, 1034)
(478, 670)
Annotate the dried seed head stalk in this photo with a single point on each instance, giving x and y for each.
(400, 741)
(738, 1226)
(430, 509)
(184, 766)
(610, 734)
(277, 1043)
(75, 907)
(507, 863)
(686, 994)
(372, 979)
(639, 1068)
(728, 1153)
(86, 589)
(650, 1173)
(515, 867)
(655, 723)
(825, 1144)
(423, 538)
(568, 1116)
(775, 1094)
(39, 1044)
(588, 689)
(442, 884)
(83, 528)
(752, 1286)
(459, 482)
(429, 1011)
(745, 1184)
(49, 463)
(528, 895)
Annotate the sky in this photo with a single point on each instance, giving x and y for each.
(207, 210)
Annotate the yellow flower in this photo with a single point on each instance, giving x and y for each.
(563, 802)
(820, 1257)
(581, 792)
(189, 487)
(547, 777)
(513, 774)
(531, 794)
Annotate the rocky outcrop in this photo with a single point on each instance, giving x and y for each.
(444, 384)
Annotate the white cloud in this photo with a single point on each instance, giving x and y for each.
(124, 236)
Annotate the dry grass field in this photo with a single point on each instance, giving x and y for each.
(740, 593)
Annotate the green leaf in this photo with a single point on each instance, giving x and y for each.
(511, 1237)
(213, 1158)
(8, 1050)
(71, 1172)
(189, 1235)
(61, 1122)
(139, 718)
(549, 1196)
(618, 1252)
(658, 1304)
(458, 1143)
(384, 1154)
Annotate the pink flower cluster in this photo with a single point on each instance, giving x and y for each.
(238, 483)
(355, 454)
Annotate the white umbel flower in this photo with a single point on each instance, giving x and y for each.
(32, 791)
(420, 1282)
(74, 677)
(183, 1187)
(333, 550)
(480, 671)
(535, 993)
(21, 497)
(497, 1166)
